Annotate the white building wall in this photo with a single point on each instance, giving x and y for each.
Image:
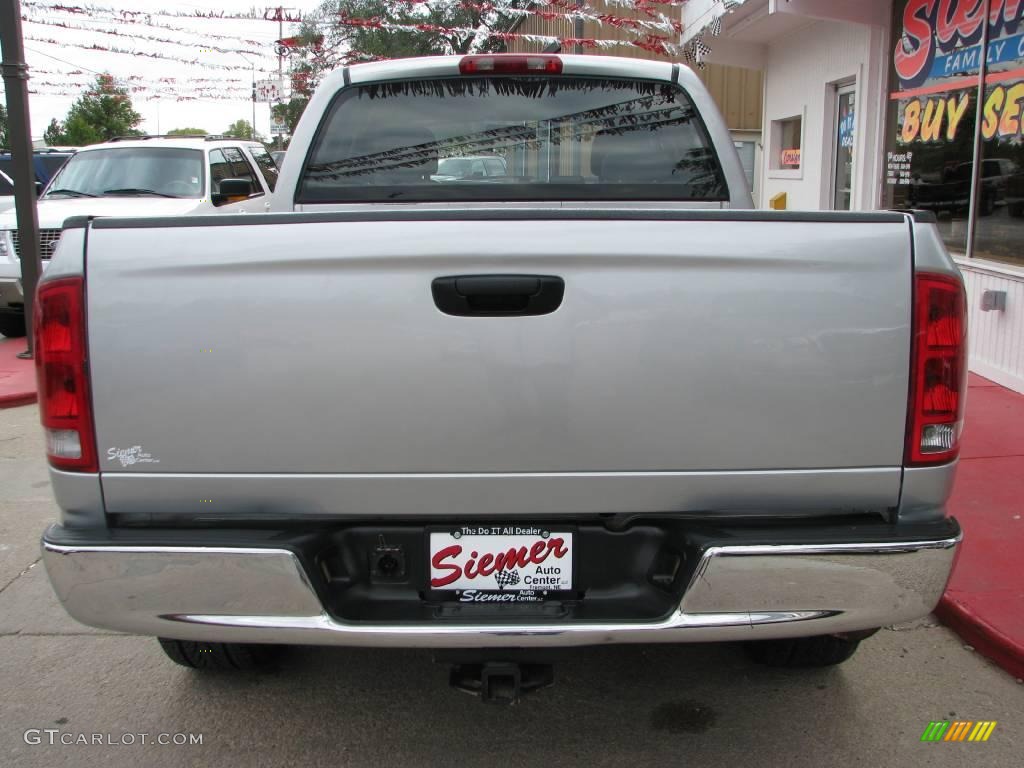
(801, 69)
(995, 339)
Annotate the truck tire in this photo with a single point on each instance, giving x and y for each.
(820, 651)
(12, 326)
(219, 657)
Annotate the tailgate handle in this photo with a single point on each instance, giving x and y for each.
(498, 295)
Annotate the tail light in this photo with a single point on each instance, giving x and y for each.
(60, 354)
(510, 64)
(938, 370)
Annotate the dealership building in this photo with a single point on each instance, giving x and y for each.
(875, 104)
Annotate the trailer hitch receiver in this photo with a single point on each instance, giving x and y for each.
(501, 682)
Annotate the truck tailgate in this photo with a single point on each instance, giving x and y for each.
(726, 361)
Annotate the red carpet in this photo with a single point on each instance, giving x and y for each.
(984, 603)
(17, 377)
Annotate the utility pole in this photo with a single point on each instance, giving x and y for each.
(280, 62)
(253, 102)
(577, 28)
(252, 64)
(279, 13)
(15, 76)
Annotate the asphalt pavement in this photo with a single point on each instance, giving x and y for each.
(611, 706)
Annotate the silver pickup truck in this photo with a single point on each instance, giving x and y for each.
(597, 399)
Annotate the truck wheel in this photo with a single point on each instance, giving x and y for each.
(821, 651)
(220, 657)
(12, 326)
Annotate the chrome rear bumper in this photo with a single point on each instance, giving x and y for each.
(264, 595)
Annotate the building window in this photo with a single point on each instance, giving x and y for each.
(932, 126)
(786, 139)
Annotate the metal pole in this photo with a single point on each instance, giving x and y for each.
(577, 28)
(252, 133)
(280, 61)
(15, 76)
(253, 102)
(976, 176)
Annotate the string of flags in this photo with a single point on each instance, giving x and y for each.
(654, 43)
(697, 49)
(79, 73)
(135, 35)
(653, 31)
(196, 62)
(89, 9)
(657, 22)
(140, 88)
(656, 32)
(113, 17)
(36, 90)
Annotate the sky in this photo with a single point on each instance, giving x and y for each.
(51, 63)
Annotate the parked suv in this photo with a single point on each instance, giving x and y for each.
(137, 176)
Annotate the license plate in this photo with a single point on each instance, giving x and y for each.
(501, 563)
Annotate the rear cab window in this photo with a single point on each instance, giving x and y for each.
(512, 137)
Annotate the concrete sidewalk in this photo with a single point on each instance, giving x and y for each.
(984, 602)
(17, 377)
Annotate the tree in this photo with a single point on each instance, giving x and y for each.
(369, 42)
(54, 133)
(323, 43)
(4, 138)
(78, 131)
(241, 129)
(187, 132)
(99, 114)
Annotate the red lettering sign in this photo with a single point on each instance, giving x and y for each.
(487, 563)
(947, 25)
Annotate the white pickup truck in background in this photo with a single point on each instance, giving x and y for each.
(594, 399)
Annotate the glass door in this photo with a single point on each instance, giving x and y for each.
(842, 167)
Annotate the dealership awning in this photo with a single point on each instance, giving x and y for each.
(738, 32)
